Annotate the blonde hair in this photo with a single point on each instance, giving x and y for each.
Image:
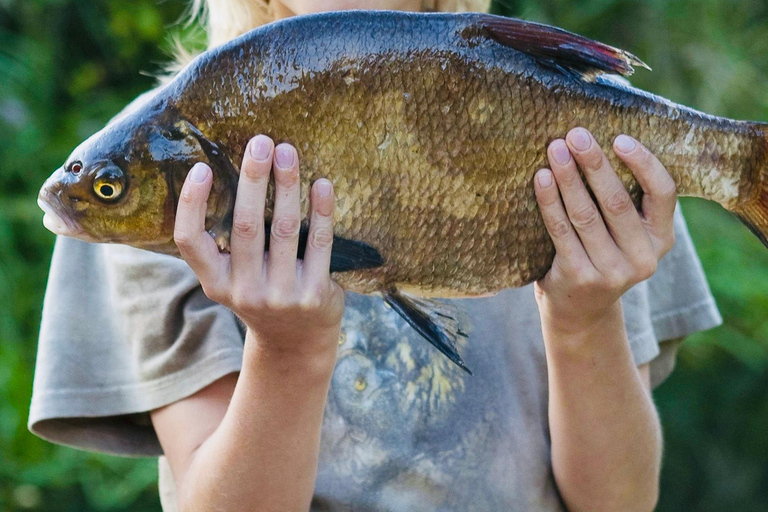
(227, 19)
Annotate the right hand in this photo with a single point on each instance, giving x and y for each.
(289, 305)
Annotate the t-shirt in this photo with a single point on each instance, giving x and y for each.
(126, 331)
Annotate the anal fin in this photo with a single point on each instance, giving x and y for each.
(435, 321)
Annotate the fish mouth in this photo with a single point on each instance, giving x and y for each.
(54, 221)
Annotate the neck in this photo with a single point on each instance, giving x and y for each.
(280, 11)
(287, 8)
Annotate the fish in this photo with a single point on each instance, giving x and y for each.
(430, 126)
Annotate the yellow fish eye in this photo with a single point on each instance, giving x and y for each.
(107, 190)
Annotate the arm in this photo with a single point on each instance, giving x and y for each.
(606, 437)
(251, 442)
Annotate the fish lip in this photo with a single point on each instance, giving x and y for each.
(54, 221)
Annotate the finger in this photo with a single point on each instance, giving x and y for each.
(247, 246)
(618, 210)
(196, 246)
(286, 219)
(567, 244)
(582, 211)
(317, 257)
(660, 193)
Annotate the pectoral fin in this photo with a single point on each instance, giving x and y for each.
(216, 155)
(569, 53)
(434, 320)
(346, 254)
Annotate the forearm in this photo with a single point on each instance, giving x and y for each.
(263, 455)
(606, 438)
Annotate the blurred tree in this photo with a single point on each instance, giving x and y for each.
(67, 66)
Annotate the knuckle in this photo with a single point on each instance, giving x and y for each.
(547, 198)
(276, 301)
(619, 202)
(592, 159)
(615, 279)
(585, 217)
(255, 171)
(667, 188)
(246, 227)
(559, 228)
(641, 157)
(240, 299)
(569, 178)
(584, 279)
(246, 301)
(215, 293)
(183, 239)
(311, 302)
(670, 241)
(188, 196)
(646, 268)
(322, 238)
(287, 177)
(286, 228)
(238, 303)
(666, 243)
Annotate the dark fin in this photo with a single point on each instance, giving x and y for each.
(754, 213)
(216, 155)
(554, 47)
(223, 166)
(346, 254)
(352, 255)
(434, 320)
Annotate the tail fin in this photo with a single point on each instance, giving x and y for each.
(754, 212)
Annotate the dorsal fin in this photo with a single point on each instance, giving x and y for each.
(560, 49)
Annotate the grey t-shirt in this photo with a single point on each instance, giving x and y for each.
(126, 331)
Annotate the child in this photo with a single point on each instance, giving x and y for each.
(135, 359)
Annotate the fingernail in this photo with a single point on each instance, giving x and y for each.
(198, 173)
(580, 139)
(324, 188)
(284, 156)
(560, 152)
(260, 148)
(625, 144)
(545, 178)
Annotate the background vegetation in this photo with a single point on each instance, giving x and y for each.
(66, 66)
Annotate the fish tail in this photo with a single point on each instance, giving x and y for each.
(754, 211)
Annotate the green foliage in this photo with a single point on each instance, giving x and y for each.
(66, 66)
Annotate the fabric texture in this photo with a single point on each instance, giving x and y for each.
(125, 331)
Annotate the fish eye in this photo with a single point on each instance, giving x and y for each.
(107, 190)
(108, 184)
(76, 167)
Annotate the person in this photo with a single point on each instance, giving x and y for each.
(313, 404)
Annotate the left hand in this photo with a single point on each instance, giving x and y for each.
(601, 250)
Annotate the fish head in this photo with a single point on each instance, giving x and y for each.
(121, 184)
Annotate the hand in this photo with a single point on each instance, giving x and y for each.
(287, 304)
(601, 250)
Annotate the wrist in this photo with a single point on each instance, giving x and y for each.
(577, 335)
(313, 354)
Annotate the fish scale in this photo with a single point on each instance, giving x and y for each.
(431, 128)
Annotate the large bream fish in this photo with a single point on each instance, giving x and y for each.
(430, 126)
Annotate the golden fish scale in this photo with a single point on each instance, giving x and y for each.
(432, 160)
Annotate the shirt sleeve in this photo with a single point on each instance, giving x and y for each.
(673, 303)
(123, 332)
